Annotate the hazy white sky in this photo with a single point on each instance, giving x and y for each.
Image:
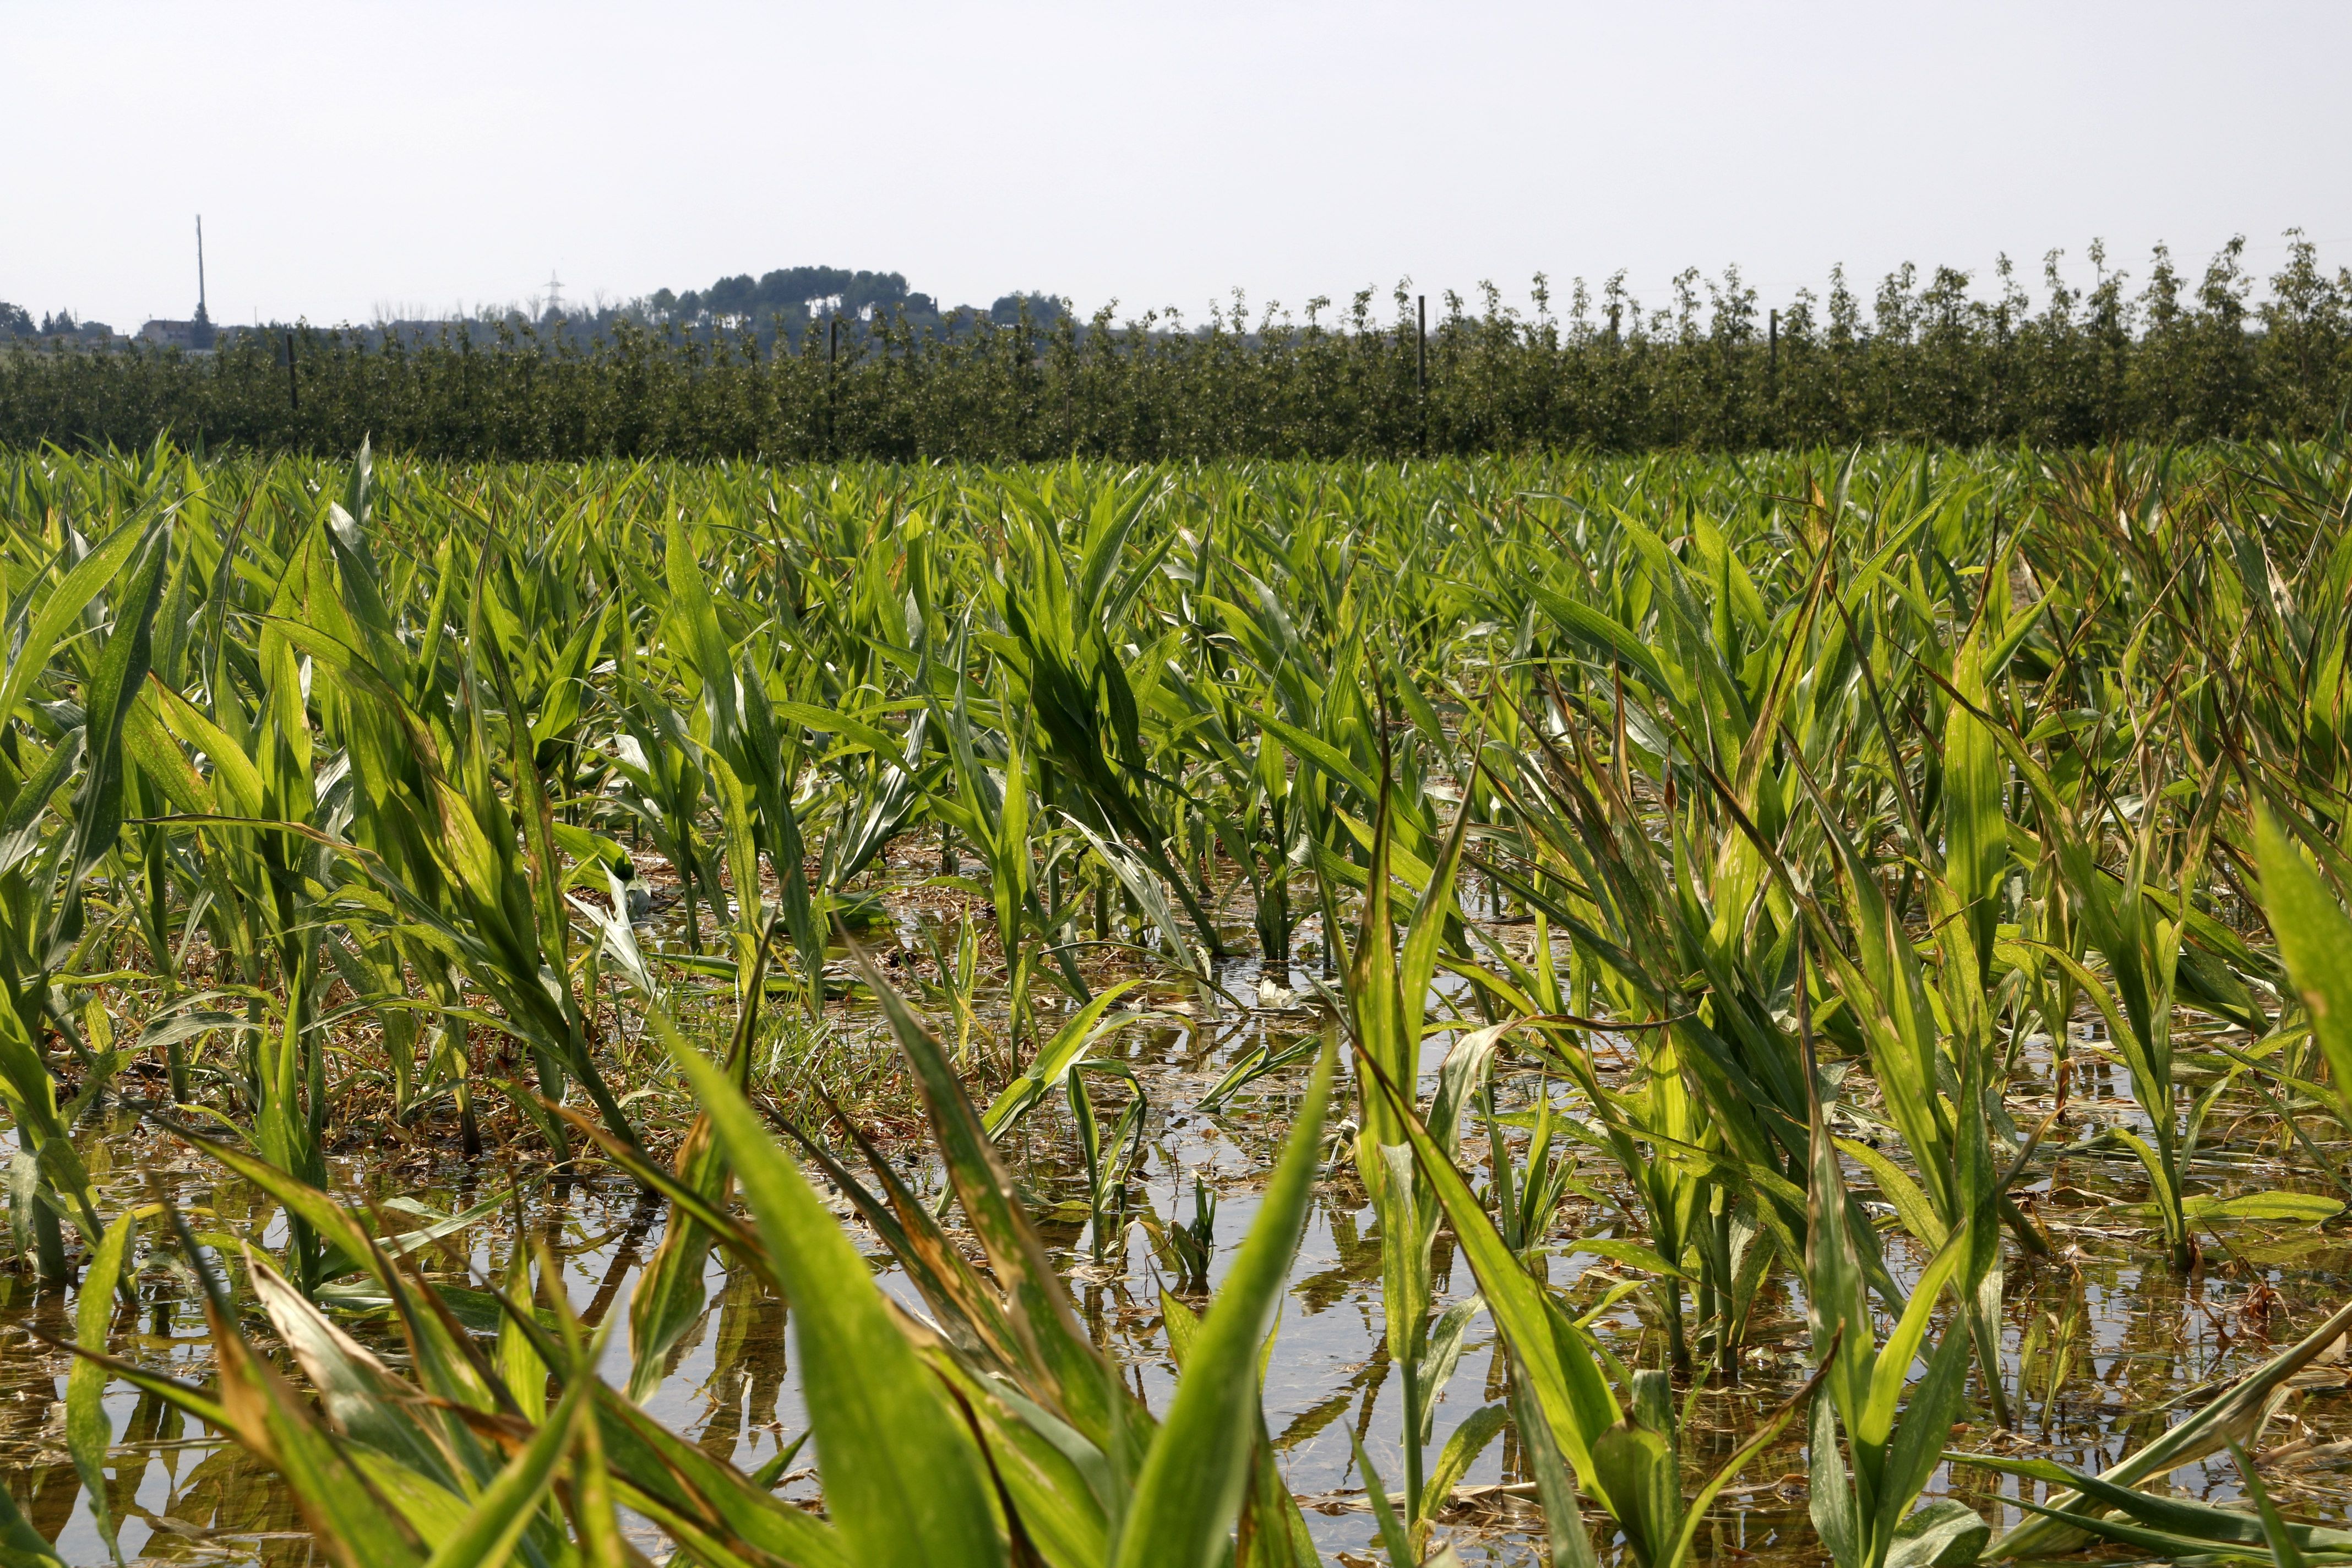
(351, 157)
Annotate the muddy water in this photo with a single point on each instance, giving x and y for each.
(2104, 1346)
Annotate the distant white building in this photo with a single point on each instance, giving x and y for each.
(174, 334)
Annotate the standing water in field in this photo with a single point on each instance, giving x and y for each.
(1657, 1011)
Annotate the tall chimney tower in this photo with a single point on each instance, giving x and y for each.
(200, 330)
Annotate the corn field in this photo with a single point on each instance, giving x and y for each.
(1554, 1009)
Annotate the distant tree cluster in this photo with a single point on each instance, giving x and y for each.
(16, 321)
(794, 293)
(785, 300)
(2182, 357)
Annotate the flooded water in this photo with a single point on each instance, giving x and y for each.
(2104, 1347)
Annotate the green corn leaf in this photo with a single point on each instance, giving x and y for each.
(1635, 1465)
(1145, 887)
(1976, 833)
(1605, 636)
(902, 1480)
(359, 1395)
(1892, 1368)
(1055, 1059)
(591, 1505)
(1836, 1305)
(22, 1546)
(20, 832)
(1183, 1326)
(1911, 1205)
(353, 1524)
(88, 1434)
(1564, 1380)
(1462, 1449)
(1440, 1355)
(352, 1247)
(2315, 938)
(2305, 1208)
(871, 738)
(108, 697)
(1055, 1482)
(665, 1477)
(2166, 1546)
(521, 1370)
(1063, 1362)
(741, 1239)
(2286, 1552)
(507, 1506)
(697, 626)
(236, 784)
(63, 608)
(1273, 1532)
(2169, 1205)
(1312, 748)
(2183, 1516)
(1626, 1254)
(1417, 959)
(1564, 1531)
(1830, 1501)
(1918, 1439)
(953, 1289)
(442, 1347)
(1195, 1472)
(1946, 1533)
(2235, 1416)
(1393, 1540)
(670, 1296)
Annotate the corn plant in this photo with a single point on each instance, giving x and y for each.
(1058, 642)
(1569, 1419)
(42, 873)
(1109, 1160)
(314, 779)
(1862, 1498)
(1387, 984)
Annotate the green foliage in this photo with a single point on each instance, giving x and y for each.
(741, 370)
(1834, 791)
